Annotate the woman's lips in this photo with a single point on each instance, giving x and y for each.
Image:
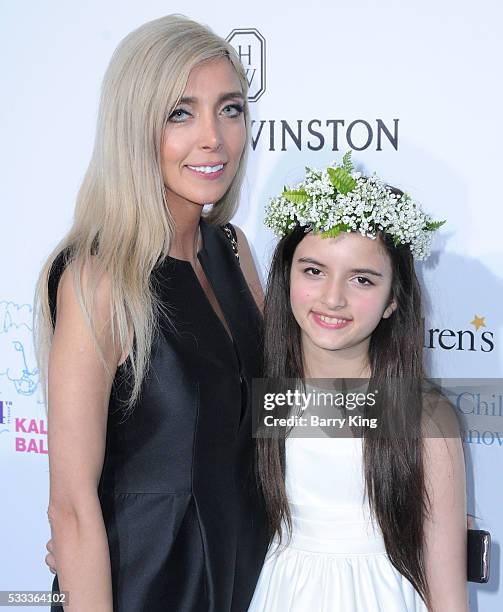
(330, 322)
(207, 173)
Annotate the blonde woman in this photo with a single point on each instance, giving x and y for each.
(150, 328)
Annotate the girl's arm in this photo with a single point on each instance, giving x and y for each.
(445, 527)
(79, 391)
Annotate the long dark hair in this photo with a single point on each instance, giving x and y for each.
(393, 464)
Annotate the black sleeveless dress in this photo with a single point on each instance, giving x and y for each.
(186, 525)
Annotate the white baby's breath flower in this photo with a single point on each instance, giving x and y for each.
(369, 207)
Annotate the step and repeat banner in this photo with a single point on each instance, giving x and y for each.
(412, 89)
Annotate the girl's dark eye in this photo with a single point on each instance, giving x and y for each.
(312, 271)
(362, 280)
(232, 110)
(178, 115)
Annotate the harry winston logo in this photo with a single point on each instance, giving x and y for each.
(250, 46)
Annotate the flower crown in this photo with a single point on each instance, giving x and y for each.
(339, 199)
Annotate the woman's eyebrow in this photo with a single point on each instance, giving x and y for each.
(231, 95)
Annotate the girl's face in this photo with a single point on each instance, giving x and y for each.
(205, 136)
(340, 288)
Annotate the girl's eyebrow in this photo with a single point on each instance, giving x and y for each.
(231, 95)
(366, 271)
(353, 271)
(311, 261)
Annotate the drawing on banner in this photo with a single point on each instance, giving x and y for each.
(17, 357)
(250, 46)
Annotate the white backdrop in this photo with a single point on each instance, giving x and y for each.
(429, 73)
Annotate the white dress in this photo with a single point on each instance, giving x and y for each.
(336, 560)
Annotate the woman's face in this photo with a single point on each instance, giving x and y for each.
(339, 290)
(205, 136)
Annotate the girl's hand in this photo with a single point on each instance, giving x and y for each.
(50, 559)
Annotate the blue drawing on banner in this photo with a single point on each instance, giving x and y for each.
(17, 354)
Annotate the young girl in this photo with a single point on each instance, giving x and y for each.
(375, 522)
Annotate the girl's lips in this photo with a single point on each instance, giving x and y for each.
(338, 323)
(206, 176)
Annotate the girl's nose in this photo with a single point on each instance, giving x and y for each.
(334, 295)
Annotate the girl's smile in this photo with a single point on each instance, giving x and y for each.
(329, 321)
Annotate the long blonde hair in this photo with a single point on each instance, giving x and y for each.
(122, 222)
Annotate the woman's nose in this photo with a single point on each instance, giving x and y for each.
(210, 137)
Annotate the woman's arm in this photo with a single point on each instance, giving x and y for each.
(79, 391)
(249, 269)
(445, 527)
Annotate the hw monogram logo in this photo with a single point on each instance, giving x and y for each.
(250, 46)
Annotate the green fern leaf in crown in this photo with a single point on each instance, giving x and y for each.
(341, 180)
(333, 232)
(432, 226)
(295, 196)
(347, 164)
